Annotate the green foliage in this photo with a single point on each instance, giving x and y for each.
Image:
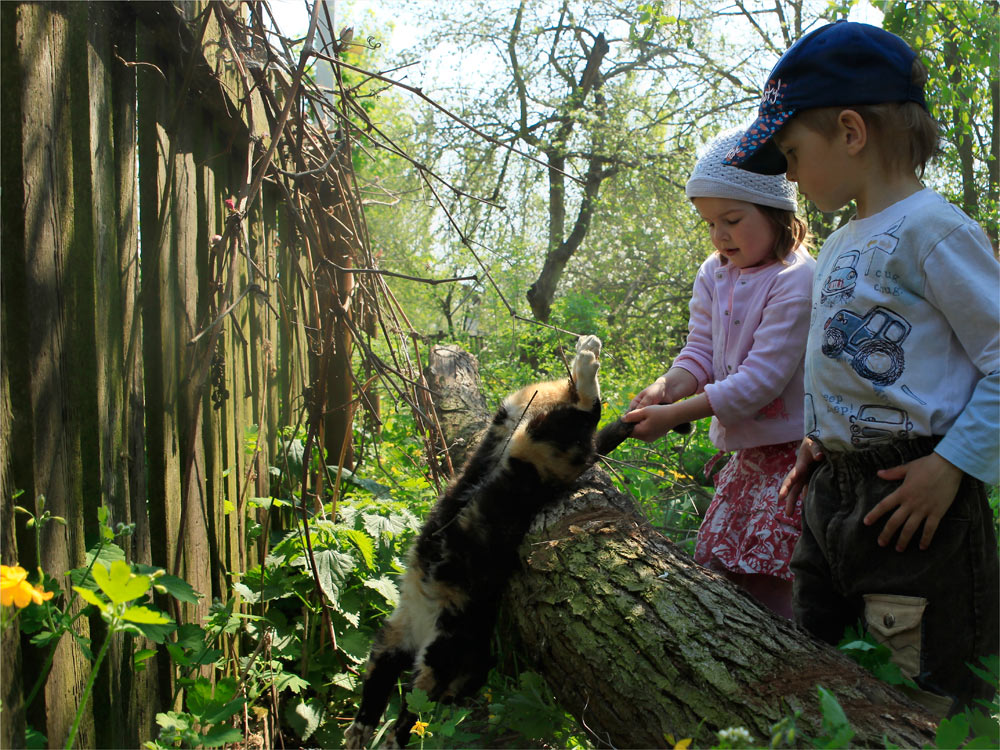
(862, 647)
(528, 709)
(836, 730)
(208, 707)
(958, 42)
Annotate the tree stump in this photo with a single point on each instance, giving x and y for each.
(452, 376)
(639, 642)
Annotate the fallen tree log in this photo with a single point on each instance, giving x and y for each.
(640, 643)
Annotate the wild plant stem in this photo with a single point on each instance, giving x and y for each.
(43, 675)
(85, 698)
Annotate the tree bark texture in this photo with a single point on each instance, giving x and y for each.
(639, 642)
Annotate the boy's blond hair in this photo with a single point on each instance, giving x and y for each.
(904, 133)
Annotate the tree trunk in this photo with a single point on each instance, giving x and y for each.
(639, 642)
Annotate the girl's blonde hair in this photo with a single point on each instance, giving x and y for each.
(791, 232)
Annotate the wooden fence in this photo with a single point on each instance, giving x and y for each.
(148, 327)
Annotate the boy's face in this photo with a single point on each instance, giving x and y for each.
(818, 164)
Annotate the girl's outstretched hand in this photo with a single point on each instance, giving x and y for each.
(656, 393)
(652, 422)
(794, 485)
(678, 383)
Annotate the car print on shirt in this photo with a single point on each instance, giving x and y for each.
(874, 342)
(839, 285)
(875, 423)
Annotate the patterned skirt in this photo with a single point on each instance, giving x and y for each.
(745, 529)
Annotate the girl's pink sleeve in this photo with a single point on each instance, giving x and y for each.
(696, 356)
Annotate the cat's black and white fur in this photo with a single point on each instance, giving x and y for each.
(540, 441)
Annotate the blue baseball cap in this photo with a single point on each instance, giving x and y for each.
(841, 64)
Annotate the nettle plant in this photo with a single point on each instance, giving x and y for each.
(328, 577)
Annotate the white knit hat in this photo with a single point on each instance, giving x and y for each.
(713, 179)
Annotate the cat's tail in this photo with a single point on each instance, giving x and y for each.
(617, 432)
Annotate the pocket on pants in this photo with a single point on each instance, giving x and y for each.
(895, 621)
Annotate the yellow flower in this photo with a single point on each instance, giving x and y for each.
(15, 589)
(419, 728)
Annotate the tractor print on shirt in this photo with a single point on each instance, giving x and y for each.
(873, 342)
(875, 423)
(839, 285)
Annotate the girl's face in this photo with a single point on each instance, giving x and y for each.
(740, 231)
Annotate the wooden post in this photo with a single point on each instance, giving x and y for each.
(43, 319)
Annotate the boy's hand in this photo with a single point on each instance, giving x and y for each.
(652, 421)
(794, 485)
(928, 490)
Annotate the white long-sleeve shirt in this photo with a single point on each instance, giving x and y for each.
(903, 340)
(746, 340)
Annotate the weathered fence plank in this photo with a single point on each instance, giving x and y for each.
(126, 126)
(12, 373)
(134, 690)
(48, 320)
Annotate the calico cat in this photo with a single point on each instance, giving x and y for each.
(541, 439)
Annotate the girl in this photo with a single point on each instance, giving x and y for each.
(743, 358)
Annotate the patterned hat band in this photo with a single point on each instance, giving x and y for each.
(841, 64)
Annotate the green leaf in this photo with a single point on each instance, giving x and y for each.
(363, 543)
(221, 735)
(349, 477)
(304, 716)
(91, 598)
(267, 502)
(835, 723)
(978, 743)
(344, 680)
(355, 644)
(952, 732)
(333, 568)
(200, 699)
(119, 583)
(984, 725)
(106, 554)
(33, 739)
(145, 616)
(224, 712)
(290, 681)
(418, 701)
(178, 588)
(858, 646)
(156, 633)
(385, 586)
(377, 525)
(174, 720)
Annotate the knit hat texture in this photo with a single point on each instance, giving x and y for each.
(711, 178)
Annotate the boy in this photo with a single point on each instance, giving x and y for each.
(902, 371)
